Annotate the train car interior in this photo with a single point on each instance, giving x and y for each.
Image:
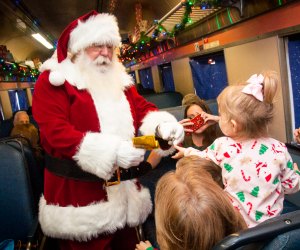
(170, 48)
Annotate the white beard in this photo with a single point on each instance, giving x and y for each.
(103, 78)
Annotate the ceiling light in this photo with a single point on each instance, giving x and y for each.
(42, 40)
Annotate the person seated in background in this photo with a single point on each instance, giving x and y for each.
(30, 137)
(200, 138)
(191, 209)
(297, 135)
(20, 117)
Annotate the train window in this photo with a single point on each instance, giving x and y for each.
(294, 62)
(132, 73)
(18, 100)
(167, 77)
(146, 78)
(209, 75)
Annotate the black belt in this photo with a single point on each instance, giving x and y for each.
(70, 169)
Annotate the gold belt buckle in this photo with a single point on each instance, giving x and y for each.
(118, 181)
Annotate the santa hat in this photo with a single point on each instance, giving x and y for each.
(91, 28)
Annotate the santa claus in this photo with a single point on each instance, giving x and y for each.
(88, 111)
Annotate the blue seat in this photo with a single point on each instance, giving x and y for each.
(283, 230)
(164, 100)
(213, 106)
(6, 127)
(294, 151)
(18, 214)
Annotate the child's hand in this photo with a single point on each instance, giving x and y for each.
(143, 245)
(210, 119)
(180, 152)
(296, 168)
(297, 135)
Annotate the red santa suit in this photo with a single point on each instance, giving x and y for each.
(88, 127)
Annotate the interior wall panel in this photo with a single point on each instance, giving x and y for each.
(244, 60)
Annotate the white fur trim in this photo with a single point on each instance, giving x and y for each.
(126, 78)
(137, 204)
(97, 154)
(99, 29)
(50, 64)
(150, 123)
(56, 78)
(152, 119)
(125, 204)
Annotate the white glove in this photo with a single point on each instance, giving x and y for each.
(128, 155)
(173, 132)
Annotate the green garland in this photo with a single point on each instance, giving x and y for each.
(11, 71)
(145, 43)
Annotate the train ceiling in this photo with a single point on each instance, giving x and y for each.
(20, 18)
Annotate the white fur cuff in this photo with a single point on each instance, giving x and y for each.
(152, 119)
(97, 154)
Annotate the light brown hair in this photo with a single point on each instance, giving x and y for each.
(251, 115)
(201, 164)
(190, 98)
(192, 212)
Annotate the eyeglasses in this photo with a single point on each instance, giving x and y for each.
(98, 48)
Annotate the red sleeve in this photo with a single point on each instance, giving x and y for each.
(50, 106)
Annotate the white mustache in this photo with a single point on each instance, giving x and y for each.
(102, 60)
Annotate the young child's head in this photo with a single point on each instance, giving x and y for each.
(192, 211)
(250, 106)
(197, 162)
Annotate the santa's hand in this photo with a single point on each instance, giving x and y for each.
(128, 155)
(172, 132)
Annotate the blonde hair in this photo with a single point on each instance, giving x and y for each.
(192, 211)
(251, 115)
(199, 164)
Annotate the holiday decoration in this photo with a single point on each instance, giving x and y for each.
(268, 177)
(258, 215)
(143, 47)
(276, 180)
(17, 72)
(212, 146)
(250, 205)
(290, 165)
(244, 177)
(263, 149)
(228, 167)
(255, 191)
(241, 196)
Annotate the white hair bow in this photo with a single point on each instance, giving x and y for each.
(255, 87)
